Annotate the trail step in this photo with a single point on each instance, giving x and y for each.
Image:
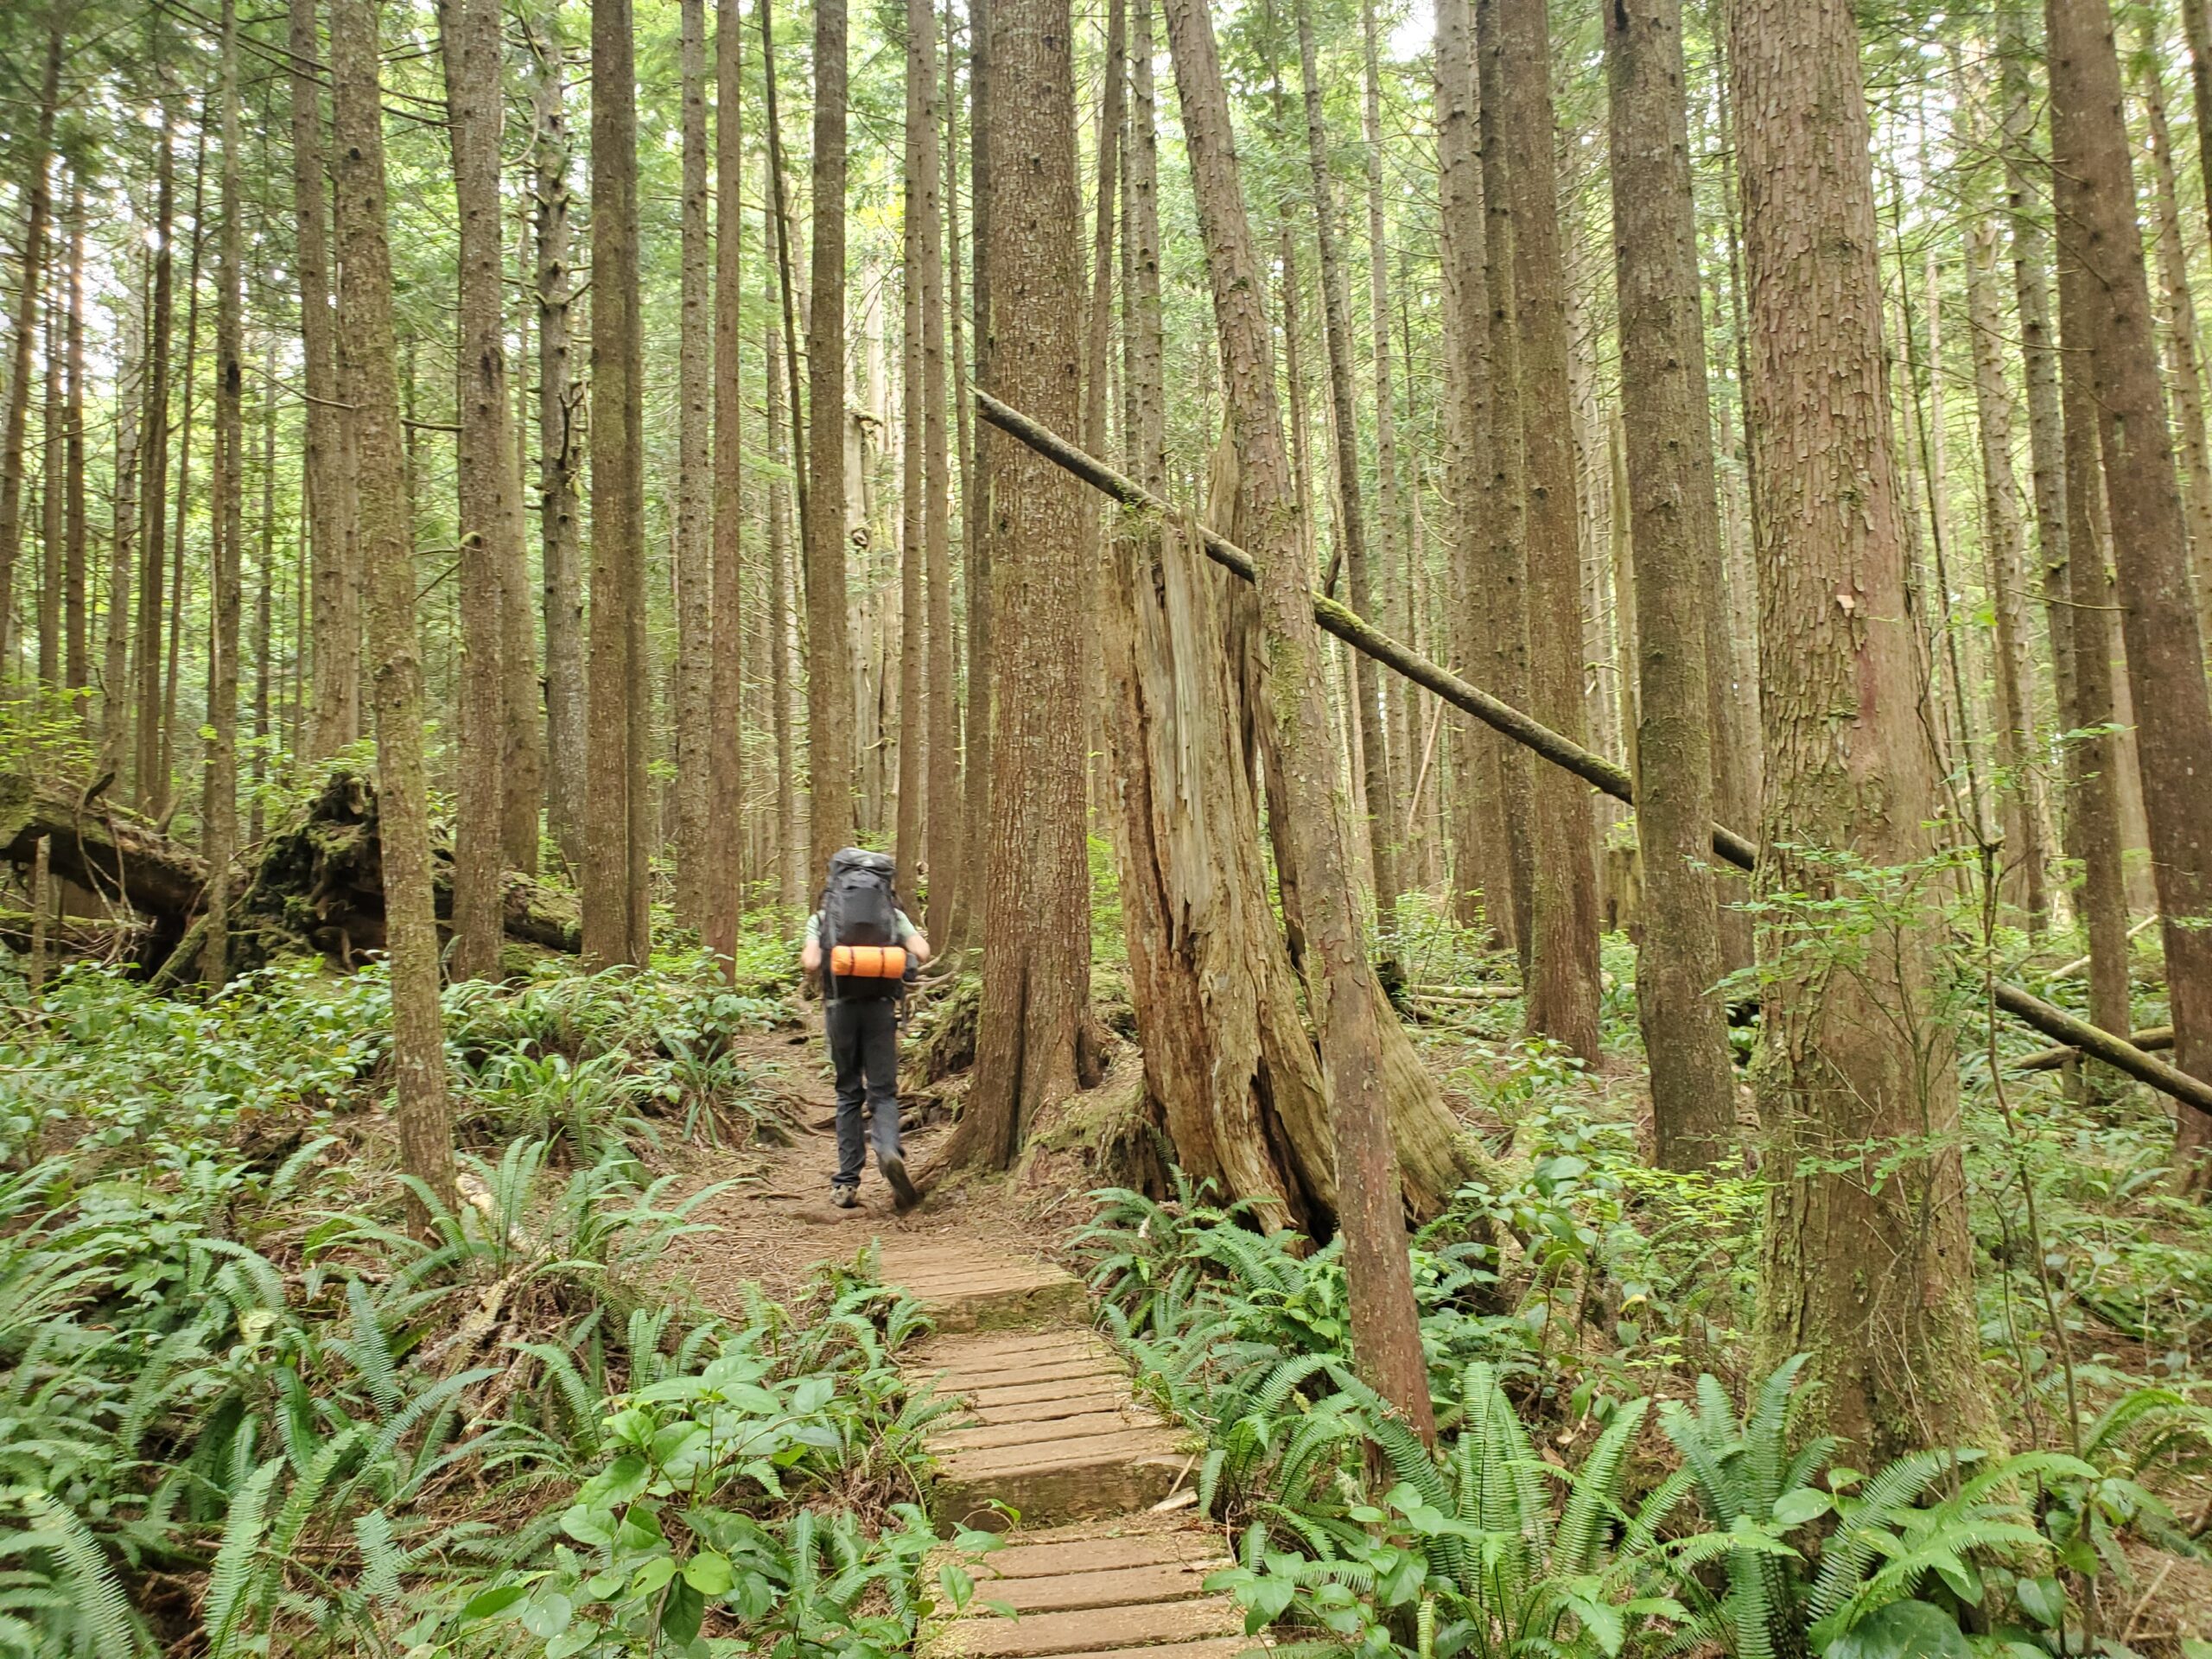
(963, 1287)
(1048, 1428)
(1053, 1435)
(1131, 1586)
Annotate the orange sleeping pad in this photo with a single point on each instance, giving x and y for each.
(868, 961)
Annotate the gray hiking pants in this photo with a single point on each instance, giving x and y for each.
(863, 1038)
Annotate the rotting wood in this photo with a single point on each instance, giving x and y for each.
(1594, 769)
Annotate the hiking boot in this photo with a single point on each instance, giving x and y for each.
(846, 1195)
(893, 1168)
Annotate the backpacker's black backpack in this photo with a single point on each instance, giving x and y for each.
(859, 906)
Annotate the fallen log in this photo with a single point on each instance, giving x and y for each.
(316, 883)
(2150, 1039)
(1594, 769)
(106, 849)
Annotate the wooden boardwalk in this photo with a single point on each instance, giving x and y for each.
(1051, 1431)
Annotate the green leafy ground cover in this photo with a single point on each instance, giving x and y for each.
(242, 1411)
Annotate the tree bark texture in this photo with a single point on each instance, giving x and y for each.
(1312, 839)
(1675, 536)
(560, 444)
(1032, 1036)
(942, 820)
(418, 1044)
(1505, 498)
(220, 791)
(1336, 313)
(490, 506)
(694, 529)
(2165, 653)
(1869, 1262)
(725, 759)
(829, 678)
(617, 809)
(38, 192)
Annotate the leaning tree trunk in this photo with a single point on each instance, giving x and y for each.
(2165, 653)
(419, 1042)
(1868, 1259)
(1312, 839)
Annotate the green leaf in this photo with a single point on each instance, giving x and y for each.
(681, 1613)
(495, 1600)
(573, 1640)
(1806, 1503)
(653, 1574)
(1904, 1629)
(2041, 1600)
(710, 1574)
(547, 1614)
(614, 1485)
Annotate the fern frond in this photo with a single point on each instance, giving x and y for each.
(229, 1582)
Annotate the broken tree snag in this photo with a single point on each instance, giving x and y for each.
(1595, 770)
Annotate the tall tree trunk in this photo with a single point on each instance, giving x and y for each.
(1562, 986)
(37, 193)
(154, 437)
(1311, 840)
(76, 665)
(941, 825)
(337, 622)
(2020, 797)
(404, 822)
(1389, 510)
(695, 583)
(1487, 622)
(2031, 267)
(219, 803)
(489, 503)
(1336, 313)
(1505, 498)
(914, 640)
(977, 513)
(1676, 537)
(2196, 29)
(950, 853)
(1033, 1037)
(725, 754)
(617, 846)
(52, 418)
(1871, 1273)
(123, 547)
(559, 444)
(2093, 757)
(2177, 309)
(787, 287)
(791, 846)
(2165, 653)
(264, 596)
(828, 681)
(173, 653)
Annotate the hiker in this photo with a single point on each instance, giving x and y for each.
(866, 950)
